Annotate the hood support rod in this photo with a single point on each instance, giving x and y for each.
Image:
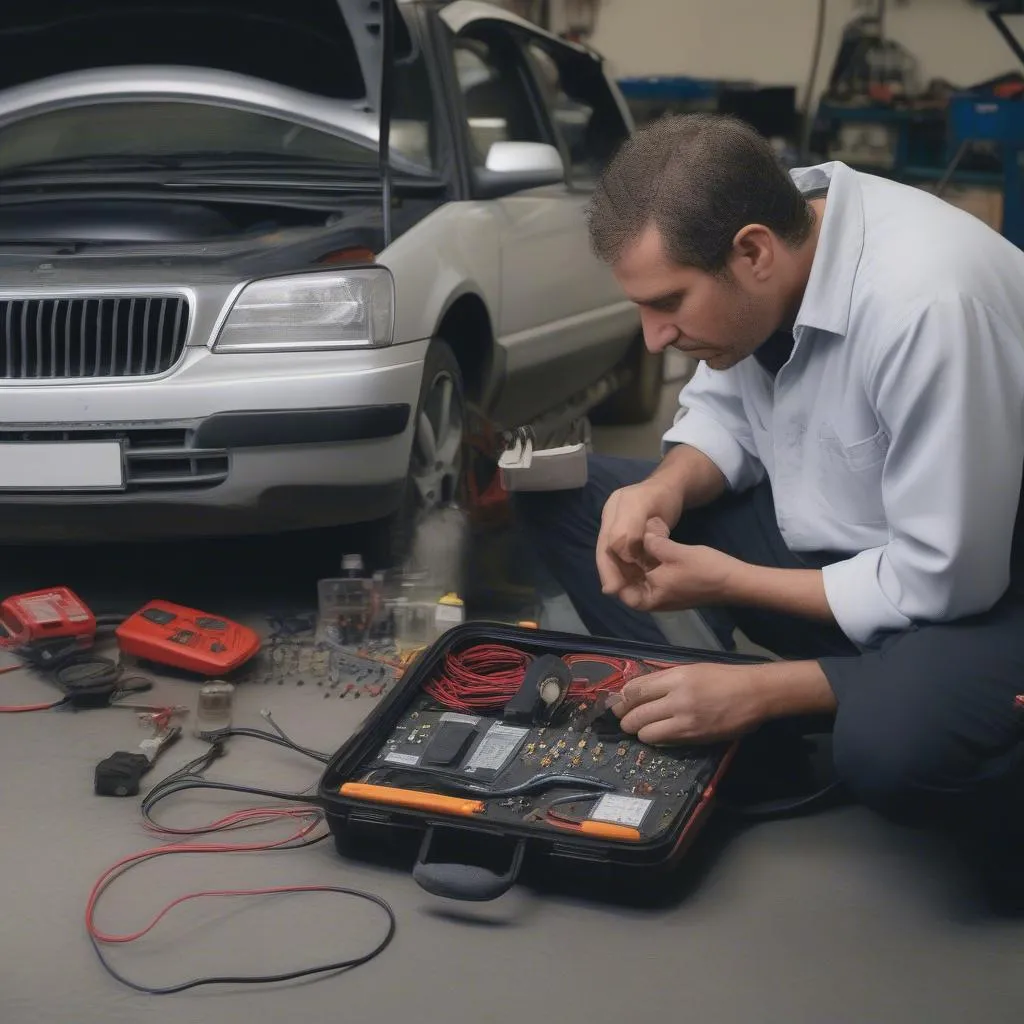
(387, 30)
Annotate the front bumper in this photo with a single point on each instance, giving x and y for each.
(225, 444)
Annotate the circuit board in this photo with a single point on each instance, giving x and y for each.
(604, 775)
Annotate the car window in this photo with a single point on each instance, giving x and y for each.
(581, 105)
(495, 95)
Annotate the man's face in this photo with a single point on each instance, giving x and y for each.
(719, 319)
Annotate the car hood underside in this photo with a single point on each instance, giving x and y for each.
(328, 47)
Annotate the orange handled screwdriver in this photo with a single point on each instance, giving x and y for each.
(412, 798)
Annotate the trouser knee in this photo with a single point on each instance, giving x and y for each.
(892, 771)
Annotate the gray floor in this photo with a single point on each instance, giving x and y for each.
(833, 919)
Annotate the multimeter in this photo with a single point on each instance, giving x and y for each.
(184, 638)
(55, 613)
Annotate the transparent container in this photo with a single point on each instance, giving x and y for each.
(213, 709)
(346, 607)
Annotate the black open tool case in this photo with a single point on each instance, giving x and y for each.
(462, 773)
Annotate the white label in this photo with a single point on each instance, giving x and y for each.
(621, 810)
(48, 466)
(454, 716)
(497, 746)
(396, 758)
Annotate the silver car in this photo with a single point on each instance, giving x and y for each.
(230, 302)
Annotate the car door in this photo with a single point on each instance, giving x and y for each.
(562, 320)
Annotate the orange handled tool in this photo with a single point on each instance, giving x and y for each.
(414, 798)
(606, 830)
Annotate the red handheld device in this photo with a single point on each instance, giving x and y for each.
(208, 645)
(44, 615)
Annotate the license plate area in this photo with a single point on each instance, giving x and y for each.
(37, 466)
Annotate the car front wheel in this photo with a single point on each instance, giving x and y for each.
(437, 465)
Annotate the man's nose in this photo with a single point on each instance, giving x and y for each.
(659, 333)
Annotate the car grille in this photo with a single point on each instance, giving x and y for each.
(83, 337)
(156, 458)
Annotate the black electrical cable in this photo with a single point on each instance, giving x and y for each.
(316, 754)
(279, 739)
(190, 776)
(269, 979)
(87, 671)
(163, 790)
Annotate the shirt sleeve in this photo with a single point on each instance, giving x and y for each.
(948, 393)
(713, 420)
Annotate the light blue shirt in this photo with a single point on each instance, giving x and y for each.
(895, 432)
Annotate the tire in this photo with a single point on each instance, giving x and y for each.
(638, 401)
(430, 483)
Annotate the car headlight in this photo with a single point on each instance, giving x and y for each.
(346, 309)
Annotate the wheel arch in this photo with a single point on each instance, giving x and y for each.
(466, 326)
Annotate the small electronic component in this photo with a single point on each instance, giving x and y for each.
(449, 744)
(121, 773)
(544, 687)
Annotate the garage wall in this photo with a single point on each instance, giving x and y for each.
(758, 39)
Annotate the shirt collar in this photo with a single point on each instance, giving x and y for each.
(829, 293)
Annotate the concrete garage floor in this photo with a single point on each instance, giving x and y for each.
(833, 918)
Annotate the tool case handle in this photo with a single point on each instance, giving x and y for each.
(468, 882)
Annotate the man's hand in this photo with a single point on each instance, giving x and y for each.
(672, 577)
(678, 576)
(704, 703)
(629, 514)
(692, 704)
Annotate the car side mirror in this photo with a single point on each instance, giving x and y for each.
(514, 166)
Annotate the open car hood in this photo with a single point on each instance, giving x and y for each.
(38, 37)
(337, 51)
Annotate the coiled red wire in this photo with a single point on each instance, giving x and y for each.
(486, 676)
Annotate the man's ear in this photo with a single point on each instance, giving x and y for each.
(753, 252)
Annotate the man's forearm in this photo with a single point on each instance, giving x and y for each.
(798, 592)
(691, 473)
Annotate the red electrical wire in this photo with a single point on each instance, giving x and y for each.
(487, 676)
(313, 815)
(311, 818)
(16, 709)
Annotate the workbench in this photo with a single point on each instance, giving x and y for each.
(836, 917)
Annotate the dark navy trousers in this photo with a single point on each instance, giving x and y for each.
(928, 722)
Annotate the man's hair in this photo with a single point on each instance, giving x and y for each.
(699, 179)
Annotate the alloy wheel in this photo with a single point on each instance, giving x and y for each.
(437, 447)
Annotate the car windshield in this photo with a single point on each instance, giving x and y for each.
(165, 130)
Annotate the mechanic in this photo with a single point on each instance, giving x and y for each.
(844, 477)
